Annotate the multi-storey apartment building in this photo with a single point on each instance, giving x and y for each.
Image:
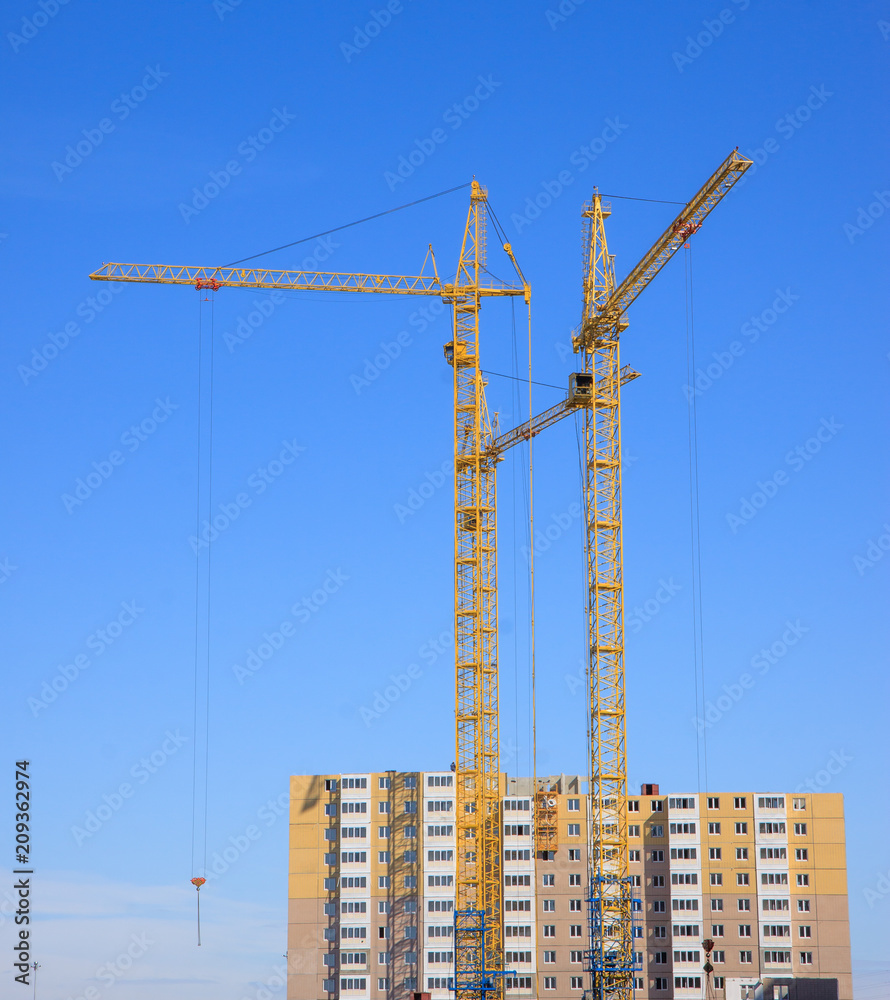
(761, 876)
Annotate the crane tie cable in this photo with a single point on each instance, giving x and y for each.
(358, 222)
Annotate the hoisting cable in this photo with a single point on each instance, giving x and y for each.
(201, 707)
(701, 748)
(348, 225)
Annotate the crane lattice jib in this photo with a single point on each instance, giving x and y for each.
(611, 310)
(322, 281)
(610, 958)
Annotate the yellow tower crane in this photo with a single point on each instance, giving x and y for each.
(479, 918)
(611, 958)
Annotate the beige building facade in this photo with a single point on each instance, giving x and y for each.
(372, 873)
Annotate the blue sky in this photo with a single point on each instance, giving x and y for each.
(298, 120)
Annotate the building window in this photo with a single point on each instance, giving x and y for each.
(330, 809)
(383, 857)
(656, 830)
(661, 983)
(659, 932)
(715, 853)
(744, 905)
(684, 853)
(803, 906)
(716, 878)
(410, 781)
(574, 854)
(573, 805)
(717, 930)
(719, 956)
(330, 859)
(411, 881)
(656, 856)
(330, 884)
(440, 781)
(716, 904)
(383, 881)
(802, 879)
(713, 802)
(575, 957)
(574, 930)
(353, 907)
(777, 957)
(741, 854)
(517, 905)
(660, 958)
(771, 802)
(806, 958)
(330, 784)
(550, 957)
(805, 931)
(714, 828)
(633, 805)
(548, 880)
(575, 905)
(773, 853)
(518, 982)
(382, 983)
(383, 783)
(574, 830)
(658, 906)
(744, 930)
(741, 829)
(549, 982)
(383, 807)
(633, 855)
(574, 879)
(633, 830)
(798, 804)
(577, 982)
(410, 832)
(657, 805)
(410, 857)
(801, 854)
(383, 831)
(774, 878)
(719, 983)
(800, 829)
(773, 827)
(740, 802)
(745, 957)
(742, 878)
(549, 930)
(411, 806)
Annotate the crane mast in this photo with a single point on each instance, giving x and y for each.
(610, 959)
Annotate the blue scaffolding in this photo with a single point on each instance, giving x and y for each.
(610, 957)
